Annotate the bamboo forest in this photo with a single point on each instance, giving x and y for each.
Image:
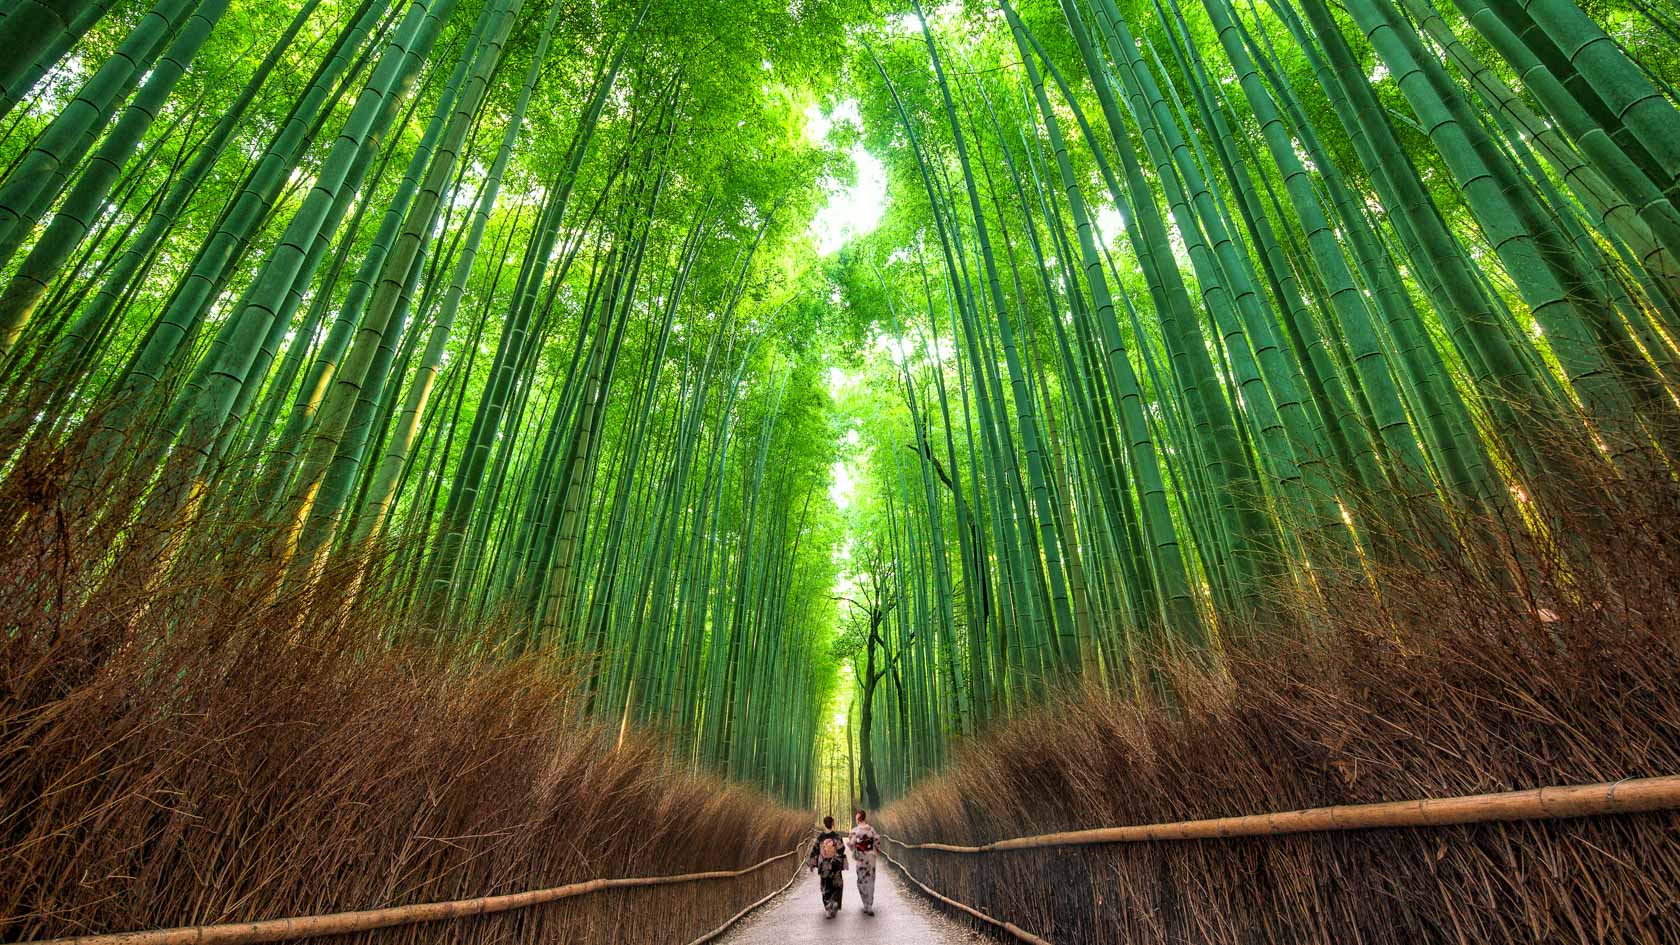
(435, 432)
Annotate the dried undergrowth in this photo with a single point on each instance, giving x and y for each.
(202, 746)
(1491, 663)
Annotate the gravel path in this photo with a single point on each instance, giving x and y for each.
(901, 917)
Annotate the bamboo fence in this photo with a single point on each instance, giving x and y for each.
(1010, 927)
(339, 923)
(1627, 796)
(713, 934)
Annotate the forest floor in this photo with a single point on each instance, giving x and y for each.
(901, 918)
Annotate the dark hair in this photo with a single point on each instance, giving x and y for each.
(828, 822)
(862, 814)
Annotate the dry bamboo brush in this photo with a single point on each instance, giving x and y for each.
(729, 923)
(276, 754)
(1628, 796)
(344, 923)
(1462, 689)
(1014, 930)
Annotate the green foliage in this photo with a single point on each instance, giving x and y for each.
(1176, 311)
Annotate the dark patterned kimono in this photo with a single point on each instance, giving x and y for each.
(830, 870)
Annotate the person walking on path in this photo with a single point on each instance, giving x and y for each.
(828, 858)
(864, 840)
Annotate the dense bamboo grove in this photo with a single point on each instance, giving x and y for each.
(1188, 315)
(1181, 315)
(249, 758)
(509, 287)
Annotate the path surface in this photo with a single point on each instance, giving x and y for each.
(901, 917)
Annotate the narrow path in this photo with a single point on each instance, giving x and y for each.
(901, 918)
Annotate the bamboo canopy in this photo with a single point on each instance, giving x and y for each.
(1180, 325)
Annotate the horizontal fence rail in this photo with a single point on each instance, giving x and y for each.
(339, 923)
(1628, 796)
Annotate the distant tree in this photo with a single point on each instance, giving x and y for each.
(865, 647)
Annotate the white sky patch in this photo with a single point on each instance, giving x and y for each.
(817, 125)
(839, 382)
(926, 351)
(843, 475)
(902, 23)
(842, 485)
(855, 210)
(1109, 225)
(851, 210)
(817, 122)
(899, 349)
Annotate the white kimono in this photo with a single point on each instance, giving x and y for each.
(864, 841)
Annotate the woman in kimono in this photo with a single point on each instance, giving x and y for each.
(864, 841)
(828, 858)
